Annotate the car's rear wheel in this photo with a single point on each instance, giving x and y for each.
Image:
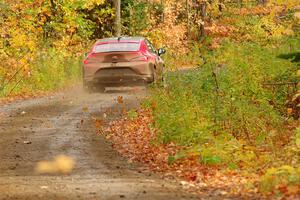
(158, 79)
(100, 88)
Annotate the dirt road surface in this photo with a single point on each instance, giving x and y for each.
(43, 128)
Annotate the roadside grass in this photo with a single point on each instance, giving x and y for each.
(229, 114)
(50, 69)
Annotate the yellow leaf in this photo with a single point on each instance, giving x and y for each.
(289, 111)
(60, 164)
(85, 109)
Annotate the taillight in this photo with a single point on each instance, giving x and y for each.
(86, 60)
(140, 58)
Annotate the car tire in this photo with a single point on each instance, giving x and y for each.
(100, 88)
(159, 80)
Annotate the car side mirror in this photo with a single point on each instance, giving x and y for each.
(161, 51)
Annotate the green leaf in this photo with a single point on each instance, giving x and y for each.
(211, 160)
(171, 160)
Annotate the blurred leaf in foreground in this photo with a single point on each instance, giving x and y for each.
(59, 165)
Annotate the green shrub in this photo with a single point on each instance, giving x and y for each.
(53, 69)
(226, 106)
(275, 179)
(50, 69)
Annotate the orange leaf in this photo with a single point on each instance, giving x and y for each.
(120, 99)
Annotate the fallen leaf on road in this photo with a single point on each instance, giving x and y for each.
(98, 123)
(85, 109)
(120, 99)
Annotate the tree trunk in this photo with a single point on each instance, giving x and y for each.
(118, 27)
(220, 5)
(163, 12)
(188, 19)
(262, 2)
(203, 15)
(240, 3)
(53, 7)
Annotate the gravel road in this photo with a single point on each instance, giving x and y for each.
(43, 128)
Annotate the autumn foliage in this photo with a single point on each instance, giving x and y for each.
(43, 42)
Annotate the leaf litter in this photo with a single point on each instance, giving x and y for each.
(134, 138)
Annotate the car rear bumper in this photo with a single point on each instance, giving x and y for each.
(121, 79)
(118, 74)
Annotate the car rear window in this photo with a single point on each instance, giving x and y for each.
(117, 47)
